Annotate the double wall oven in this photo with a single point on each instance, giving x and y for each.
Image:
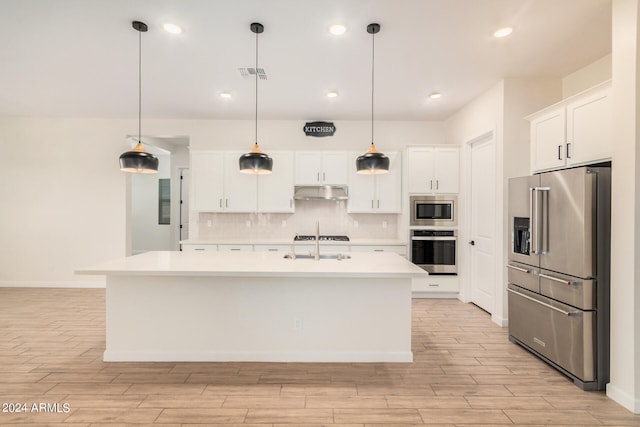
(433, 236)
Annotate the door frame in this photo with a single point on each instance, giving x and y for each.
(499, 316)
(485, 137)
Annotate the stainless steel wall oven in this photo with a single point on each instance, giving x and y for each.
(434, 250)
(433, 210)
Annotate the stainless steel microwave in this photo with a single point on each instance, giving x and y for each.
(433, 210)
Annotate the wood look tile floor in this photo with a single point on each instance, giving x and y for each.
(465, 372)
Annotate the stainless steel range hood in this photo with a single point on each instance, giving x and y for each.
(320, 192)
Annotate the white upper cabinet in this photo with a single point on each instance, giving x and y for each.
(433, 170)
(207, 177)
(548, 139)
(574, 132)
(379, 193)
(321, 167)
(219, 186)
(241, 189)
(275, 190)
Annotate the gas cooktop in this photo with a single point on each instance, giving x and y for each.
(325, 238)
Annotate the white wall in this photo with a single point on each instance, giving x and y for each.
(624, 386)
(501, 110)
(64, 199)
(586, 77)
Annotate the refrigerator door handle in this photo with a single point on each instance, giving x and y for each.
(539, 220)
(534, 222)
(513, 267)
(556, 279)
(566, 313)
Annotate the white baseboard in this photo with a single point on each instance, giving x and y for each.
(57, 284)
(623, 398)
(257, 356)
(500, 321)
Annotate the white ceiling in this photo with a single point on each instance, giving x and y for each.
(79, 58)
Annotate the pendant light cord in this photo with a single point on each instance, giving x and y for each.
(256, 87)
(139, 87)
(373, 61)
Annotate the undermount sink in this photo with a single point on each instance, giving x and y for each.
(338, 257)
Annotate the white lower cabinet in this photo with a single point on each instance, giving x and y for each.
(235, 248)
(189, 247)
(436, 284)
(399, 249)
(272, 248)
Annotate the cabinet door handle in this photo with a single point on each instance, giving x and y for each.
(430, 184)
(324, 176)
(226, 203)
(318, 177)
(568, 152)
(559, 152)
(372, 204)
(437, 184)
(378, 203)
(220, 202)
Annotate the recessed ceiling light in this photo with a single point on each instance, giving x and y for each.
(225, 95)
(172, 28)
(435, 95)
(332, 94)
(337, 29)
(503, 32)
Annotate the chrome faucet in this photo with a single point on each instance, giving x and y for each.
(316, 256)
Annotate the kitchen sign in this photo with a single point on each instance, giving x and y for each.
(319, 129)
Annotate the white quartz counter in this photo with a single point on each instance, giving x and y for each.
(257, 264)
(354, 242)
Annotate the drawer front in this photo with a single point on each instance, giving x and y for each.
(399, 249)
(436, 284)
(235, 248)
(199, 248)
(523, 275)
(563, 334)
(579, 293)
(272, 248)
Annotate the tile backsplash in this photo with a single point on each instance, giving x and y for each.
(333, 217)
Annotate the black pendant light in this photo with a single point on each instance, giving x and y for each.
(256, 161)
(138, 160)
(373, 161)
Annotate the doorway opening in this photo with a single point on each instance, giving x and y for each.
(154, 208)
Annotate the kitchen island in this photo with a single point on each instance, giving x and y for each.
(215, 306)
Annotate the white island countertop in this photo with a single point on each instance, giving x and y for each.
(257, 264)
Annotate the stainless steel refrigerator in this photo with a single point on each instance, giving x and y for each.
(558, 270)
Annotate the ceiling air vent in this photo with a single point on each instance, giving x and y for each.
(250, 72)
